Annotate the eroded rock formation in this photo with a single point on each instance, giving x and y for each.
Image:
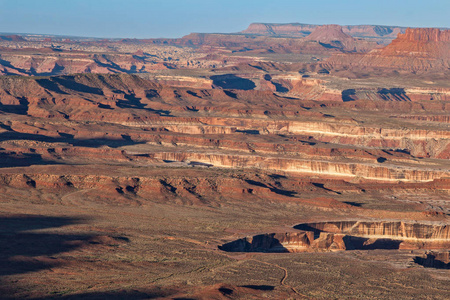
(349, 235)
(417, 50)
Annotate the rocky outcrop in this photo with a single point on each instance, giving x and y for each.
(350, 235)
(271, 242)
(325, 168)
(387, 229)
(417, 50)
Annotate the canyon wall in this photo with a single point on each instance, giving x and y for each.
(349, 235)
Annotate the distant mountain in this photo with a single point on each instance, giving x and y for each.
(12, 38)
(383, 34)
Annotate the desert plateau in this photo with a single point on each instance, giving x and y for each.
(283, 161)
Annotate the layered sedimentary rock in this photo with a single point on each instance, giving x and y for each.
(387, 229)
(227, 125)
(306, 166)
(348, 235)
(417, 50)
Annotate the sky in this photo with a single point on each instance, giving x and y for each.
(176, 18)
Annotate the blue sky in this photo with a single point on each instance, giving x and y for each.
(175, 18)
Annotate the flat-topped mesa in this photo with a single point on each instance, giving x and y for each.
(294, 29)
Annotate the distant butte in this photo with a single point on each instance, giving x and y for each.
(332, 36)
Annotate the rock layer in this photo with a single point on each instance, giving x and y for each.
(417, 50)
(348, 235)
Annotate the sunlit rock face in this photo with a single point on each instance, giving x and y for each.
(348, 235)
(417, 50)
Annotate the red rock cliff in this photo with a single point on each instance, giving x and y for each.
(420, 49)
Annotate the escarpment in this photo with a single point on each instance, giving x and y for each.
(348, 235)
(361, 170)
(127, 119)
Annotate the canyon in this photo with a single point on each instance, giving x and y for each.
(252, 165)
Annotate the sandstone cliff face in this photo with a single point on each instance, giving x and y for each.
(399, 229)
(417, 50)
(425, 35)
(305, 166)
(350, 235)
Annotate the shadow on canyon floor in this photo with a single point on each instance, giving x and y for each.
(25, 248)
(233, 82)
(11, 160)
(432, 261)
(271, 188)
(70, 139)
(19, 244)
(258, 243)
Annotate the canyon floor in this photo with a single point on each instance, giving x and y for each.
(249, 176)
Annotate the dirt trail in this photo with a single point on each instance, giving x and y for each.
(283, 279)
